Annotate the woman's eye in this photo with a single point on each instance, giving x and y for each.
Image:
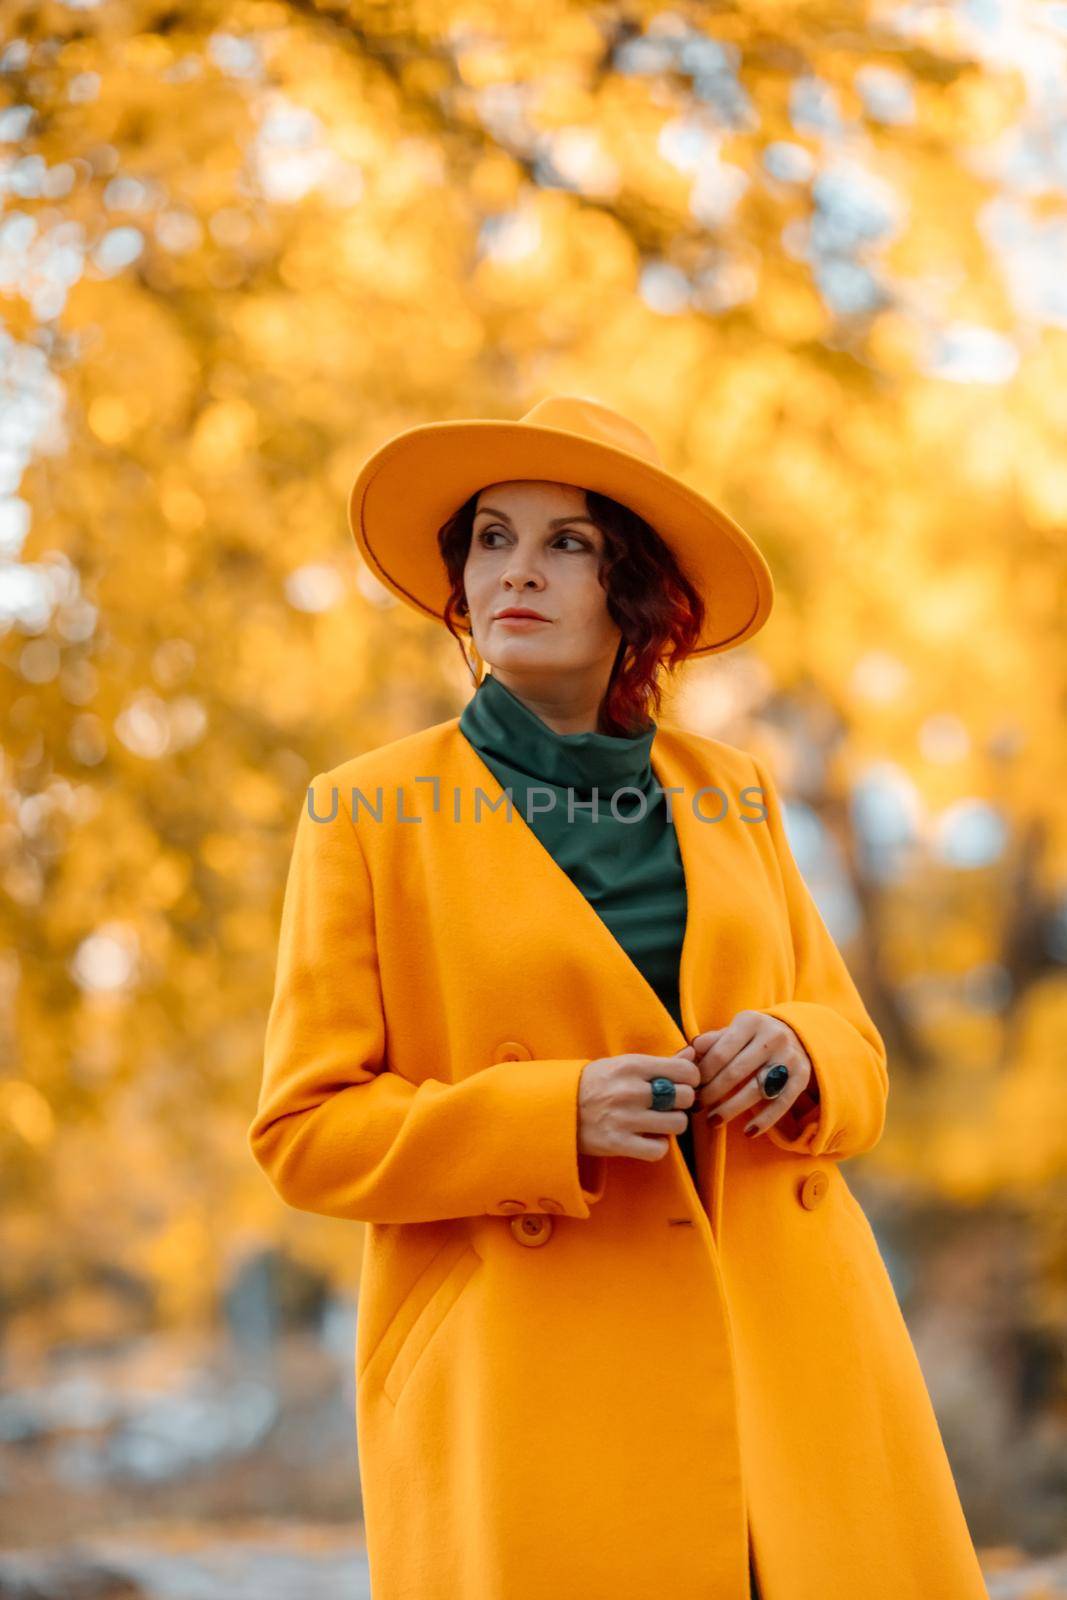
(488, 533)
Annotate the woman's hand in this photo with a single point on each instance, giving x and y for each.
(615, 1115)
(728, 1059)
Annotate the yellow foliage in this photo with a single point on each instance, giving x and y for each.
(268, 240)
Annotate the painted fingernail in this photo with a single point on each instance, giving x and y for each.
(713, 1118)
(751, 1129)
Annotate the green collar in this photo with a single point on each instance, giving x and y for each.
(498, 724)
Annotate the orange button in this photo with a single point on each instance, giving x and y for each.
(511, 1205)
(512, 1050)
(550, 1205)
(532, 1229)
(813, 1189)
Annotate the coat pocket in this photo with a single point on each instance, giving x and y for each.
(420, 1314)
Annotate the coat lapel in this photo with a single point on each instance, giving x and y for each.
(538, 864)
(516, 855)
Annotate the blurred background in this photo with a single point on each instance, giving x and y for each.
(818, 251)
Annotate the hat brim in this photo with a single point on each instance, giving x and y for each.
(416, 481)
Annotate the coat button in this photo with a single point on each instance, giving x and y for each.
(813, 1189)
(511, 1050)
(550, 1205)
(532, 1229)
(511, 1205)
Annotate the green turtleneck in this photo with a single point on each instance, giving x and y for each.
(630, 871)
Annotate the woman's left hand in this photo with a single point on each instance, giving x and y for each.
(728, 1059)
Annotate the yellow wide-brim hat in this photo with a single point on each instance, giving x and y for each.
(415, 481)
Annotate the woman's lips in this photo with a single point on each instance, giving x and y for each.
(522, 622)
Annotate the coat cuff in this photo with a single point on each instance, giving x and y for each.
(593, 1175)
(546, 1171)
(849, 1114)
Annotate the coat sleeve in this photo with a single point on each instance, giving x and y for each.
(845, 1114)
(336, 1130)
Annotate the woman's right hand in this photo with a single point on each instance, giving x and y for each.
(615, 1116)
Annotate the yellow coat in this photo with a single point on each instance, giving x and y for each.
(576, 1376)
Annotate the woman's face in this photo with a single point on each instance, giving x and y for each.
(534, 546)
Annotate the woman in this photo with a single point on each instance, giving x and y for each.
(557, 1018)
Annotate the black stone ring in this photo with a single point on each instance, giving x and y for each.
(774, 1080)
(663, 1091)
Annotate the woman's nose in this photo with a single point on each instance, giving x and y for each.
(522, 576)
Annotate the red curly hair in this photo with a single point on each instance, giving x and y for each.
(657, 609)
